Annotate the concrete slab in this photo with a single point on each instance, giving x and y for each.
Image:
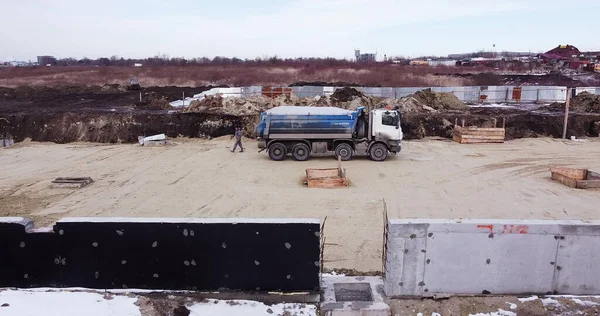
(433, 257)
(349, 296)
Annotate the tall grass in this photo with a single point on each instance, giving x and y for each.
(238, 75)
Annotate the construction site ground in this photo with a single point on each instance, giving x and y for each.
(430, 178)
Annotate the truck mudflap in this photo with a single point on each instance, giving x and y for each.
(262, 144)
(395, 148)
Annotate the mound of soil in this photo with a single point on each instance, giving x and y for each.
(346, 94)
(583, 103)
(553, 107)
(586, 102)
(201, 106)
(439, 101)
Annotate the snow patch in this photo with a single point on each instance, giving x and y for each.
(500, 312)
(512, 305)
(249, 308)
(574, 296)
(27, 303)
(112, 291)
(528, 299)
(550, 301)
(584, 303)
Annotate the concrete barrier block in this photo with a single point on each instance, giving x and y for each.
(471, 257)
(577, 263)
(405, 259)
(478, 264)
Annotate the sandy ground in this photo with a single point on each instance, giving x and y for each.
(195, 178)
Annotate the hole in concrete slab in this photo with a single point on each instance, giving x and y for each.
(350, 292)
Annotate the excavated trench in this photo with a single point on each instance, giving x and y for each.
(126, 126)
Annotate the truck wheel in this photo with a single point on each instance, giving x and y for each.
(343, 150)
(277, 151)
(300, 152)
(378, 152)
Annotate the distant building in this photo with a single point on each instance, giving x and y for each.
(442, 62)
(46, 60)
(17, 63)
(419, 63)
(561, 52)
(367, 57)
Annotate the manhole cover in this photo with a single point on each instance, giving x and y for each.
(350, 292)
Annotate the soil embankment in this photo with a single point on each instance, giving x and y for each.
(113, 114)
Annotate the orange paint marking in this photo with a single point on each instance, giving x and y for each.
(490, 227)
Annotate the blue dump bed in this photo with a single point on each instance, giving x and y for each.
(304, 122)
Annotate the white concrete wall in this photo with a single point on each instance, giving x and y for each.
(432, 257)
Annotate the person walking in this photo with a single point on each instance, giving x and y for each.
(238, 140)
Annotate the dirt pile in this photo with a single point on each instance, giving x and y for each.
(553, 107)
(154, 101)
(439, 100)
(346, 94)
(582, 103)
(425, 101)
(586, 102)
(238, 106)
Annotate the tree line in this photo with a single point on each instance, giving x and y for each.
(164, 60)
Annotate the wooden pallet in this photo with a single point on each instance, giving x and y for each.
(72, 182)
(576, 177)
(326, 178)
(478, 135)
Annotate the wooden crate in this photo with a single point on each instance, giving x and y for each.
(477, 135)
(326, 178)
(576, 177)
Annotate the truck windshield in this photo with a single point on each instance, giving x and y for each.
(390, 119)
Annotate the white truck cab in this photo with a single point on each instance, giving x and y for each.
(386, 125)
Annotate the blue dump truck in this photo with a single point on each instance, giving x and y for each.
(305, 130)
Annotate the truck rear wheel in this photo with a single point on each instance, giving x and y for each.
(378, 152)
(277, 151)
(300, 152)
(344, 151)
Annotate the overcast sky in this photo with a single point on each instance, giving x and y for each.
(291, 28)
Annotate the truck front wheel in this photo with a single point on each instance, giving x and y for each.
(344, 151)
(300, 152)
(378, 152)
(277, 151)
